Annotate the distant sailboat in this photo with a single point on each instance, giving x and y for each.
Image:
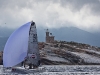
(21, 45)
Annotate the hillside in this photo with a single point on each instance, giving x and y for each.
(69, 53)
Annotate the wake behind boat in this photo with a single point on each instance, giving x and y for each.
(22, 47)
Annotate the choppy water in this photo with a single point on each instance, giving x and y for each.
(55, 70)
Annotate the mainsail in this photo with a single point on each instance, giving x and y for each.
(19, 45)
(33, 57)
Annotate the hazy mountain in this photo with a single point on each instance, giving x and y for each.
(5, 32)
(77, 35)
(66, 34)
(2, 42)
(72, 34)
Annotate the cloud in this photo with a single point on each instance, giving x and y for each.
(83, 14)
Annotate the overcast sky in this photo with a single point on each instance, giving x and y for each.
(83, 14)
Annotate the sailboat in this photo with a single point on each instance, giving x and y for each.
(21, 46)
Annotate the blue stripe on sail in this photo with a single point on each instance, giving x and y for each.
(16, 47)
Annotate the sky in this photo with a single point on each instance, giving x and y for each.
(83, 14)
